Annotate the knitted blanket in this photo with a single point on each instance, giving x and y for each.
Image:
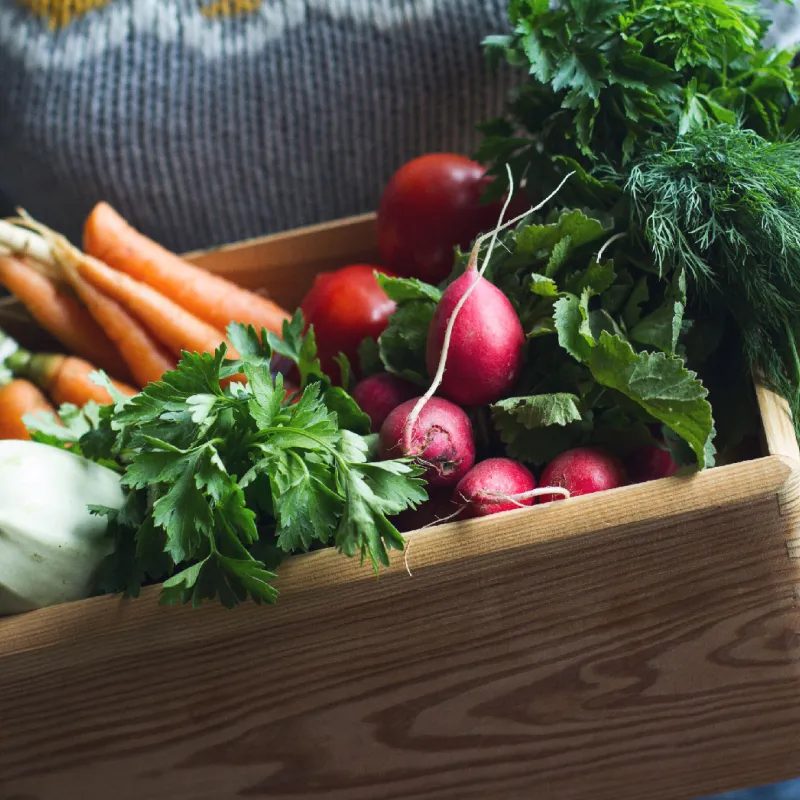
(208, 121)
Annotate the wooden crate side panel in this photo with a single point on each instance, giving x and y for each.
(285, 264)
(776, 420)
(564, 652)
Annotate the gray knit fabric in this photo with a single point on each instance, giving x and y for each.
(203, 131)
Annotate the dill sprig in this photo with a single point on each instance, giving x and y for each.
(723, 204)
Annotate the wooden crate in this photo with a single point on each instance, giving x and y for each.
(640, 643)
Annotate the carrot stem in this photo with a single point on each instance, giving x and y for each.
(64, 378)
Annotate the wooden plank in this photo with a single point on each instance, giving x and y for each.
(578, 650)
(776, 417)
(286, 263)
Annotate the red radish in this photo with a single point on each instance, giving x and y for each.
(649, 463)
(484, 357)
(468, 346)
(583, 470)
(435, 511)
(379, 394)
(441, 438)
(494, 476)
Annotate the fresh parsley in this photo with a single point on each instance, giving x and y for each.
(224, 478)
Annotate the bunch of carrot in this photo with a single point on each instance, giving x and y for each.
(124, 304)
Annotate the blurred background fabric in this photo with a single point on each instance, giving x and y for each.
(208, 123)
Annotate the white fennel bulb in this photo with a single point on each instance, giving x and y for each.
(50, 544)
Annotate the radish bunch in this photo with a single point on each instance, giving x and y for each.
(474, 353)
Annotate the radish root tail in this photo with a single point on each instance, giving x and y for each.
(517, 499)
(439, 521)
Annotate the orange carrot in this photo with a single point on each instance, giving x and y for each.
(175, 327)
(60, 315)
(18, 398)
(64, 378)
(215, 300)
(143, 354)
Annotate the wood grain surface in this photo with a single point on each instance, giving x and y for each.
(580, 650)
(286, 263)
(780, 438)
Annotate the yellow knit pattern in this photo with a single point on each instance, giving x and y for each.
(61, 12)
(229, 8)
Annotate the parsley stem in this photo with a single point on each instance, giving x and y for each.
(234, 539)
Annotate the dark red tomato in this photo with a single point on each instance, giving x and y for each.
(431, 205)
(345, 307)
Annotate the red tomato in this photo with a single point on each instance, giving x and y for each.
(431, 205)
(345, 307)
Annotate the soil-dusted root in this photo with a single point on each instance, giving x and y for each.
(380, 394)
(442, 440)
(583, 470)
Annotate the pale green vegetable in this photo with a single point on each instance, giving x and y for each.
(50, 544)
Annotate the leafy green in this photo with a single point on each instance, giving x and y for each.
(298, 347)
(538, 427)
(402, 344)
(605, 358)
(676, 121)
(369, 357)
(401, 347)
(660, 384)
(402, 290)
(222, 481)
(608, 77)
(723, 206)
(541, 410)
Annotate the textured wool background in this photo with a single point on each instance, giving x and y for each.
(203, 131)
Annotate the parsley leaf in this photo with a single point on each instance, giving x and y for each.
(300, 348)
(222, 479)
